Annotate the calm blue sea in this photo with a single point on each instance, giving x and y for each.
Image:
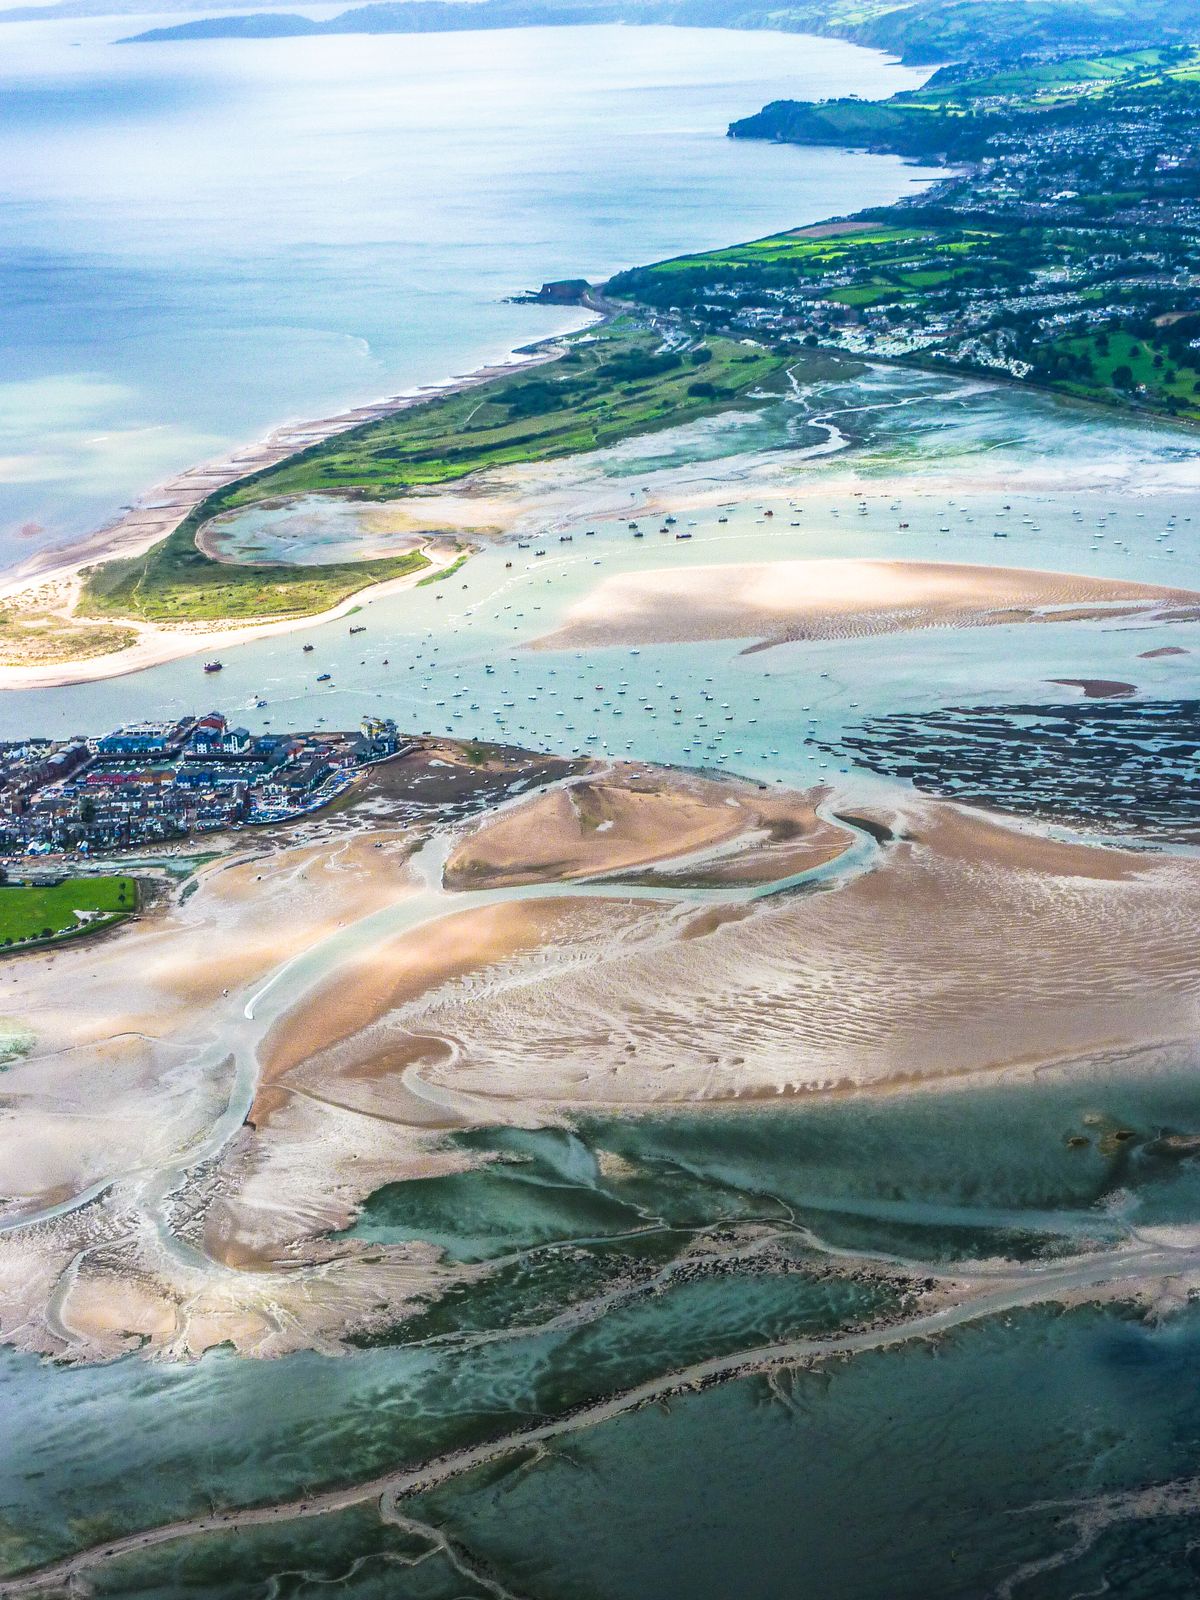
(199, 241)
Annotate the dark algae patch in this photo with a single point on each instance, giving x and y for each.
(1125, 766)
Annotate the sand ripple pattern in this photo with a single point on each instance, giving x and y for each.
(927, 968)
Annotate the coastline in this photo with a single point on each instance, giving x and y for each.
(156, 645)
(162, 508)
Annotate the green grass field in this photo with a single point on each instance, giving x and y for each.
(1048, 82)
(1138, 368)
(446, 572)
(35, 913)
(604, 389)
(885, 264)
(176, 582)
(798, 252)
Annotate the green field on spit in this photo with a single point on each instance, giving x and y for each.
(78, 905)
(177, 582)
(605, 388)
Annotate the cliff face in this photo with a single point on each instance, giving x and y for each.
(852, 124)
(895, 127)
(563, 292)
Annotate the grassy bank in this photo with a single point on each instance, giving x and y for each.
(602, 390)
(77, 906)
(176, 582)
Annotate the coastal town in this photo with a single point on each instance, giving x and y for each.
(1061, 249)
(148, 783)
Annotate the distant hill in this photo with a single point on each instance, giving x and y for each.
(258, 25)
(924, 31)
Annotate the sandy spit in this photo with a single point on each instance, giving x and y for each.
(157, 644)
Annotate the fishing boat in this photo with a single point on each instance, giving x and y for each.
(306, 648)
(212, 666)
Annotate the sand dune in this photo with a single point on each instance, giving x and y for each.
(775, 602)
(638, 817)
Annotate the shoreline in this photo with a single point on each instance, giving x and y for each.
(159, 511)
(158, 645)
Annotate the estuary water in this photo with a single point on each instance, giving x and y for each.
(200, 241)
(939, 470)
(1021, 1453)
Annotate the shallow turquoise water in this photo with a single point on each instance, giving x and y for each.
(923, 1472)
(308, 531)
(425, 656)
(912, 1473)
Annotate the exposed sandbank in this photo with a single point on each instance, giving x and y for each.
(635, 817)
(971, 947)
(968, 947)
(783, 601)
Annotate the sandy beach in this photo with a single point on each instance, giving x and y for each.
(154, 644)
(784, 601)
(163, 507)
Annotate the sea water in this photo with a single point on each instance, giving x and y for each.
(201, 240)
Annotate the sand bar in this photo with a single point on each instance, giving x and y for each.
(156, 644)
(639, 817)
(781, 601)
